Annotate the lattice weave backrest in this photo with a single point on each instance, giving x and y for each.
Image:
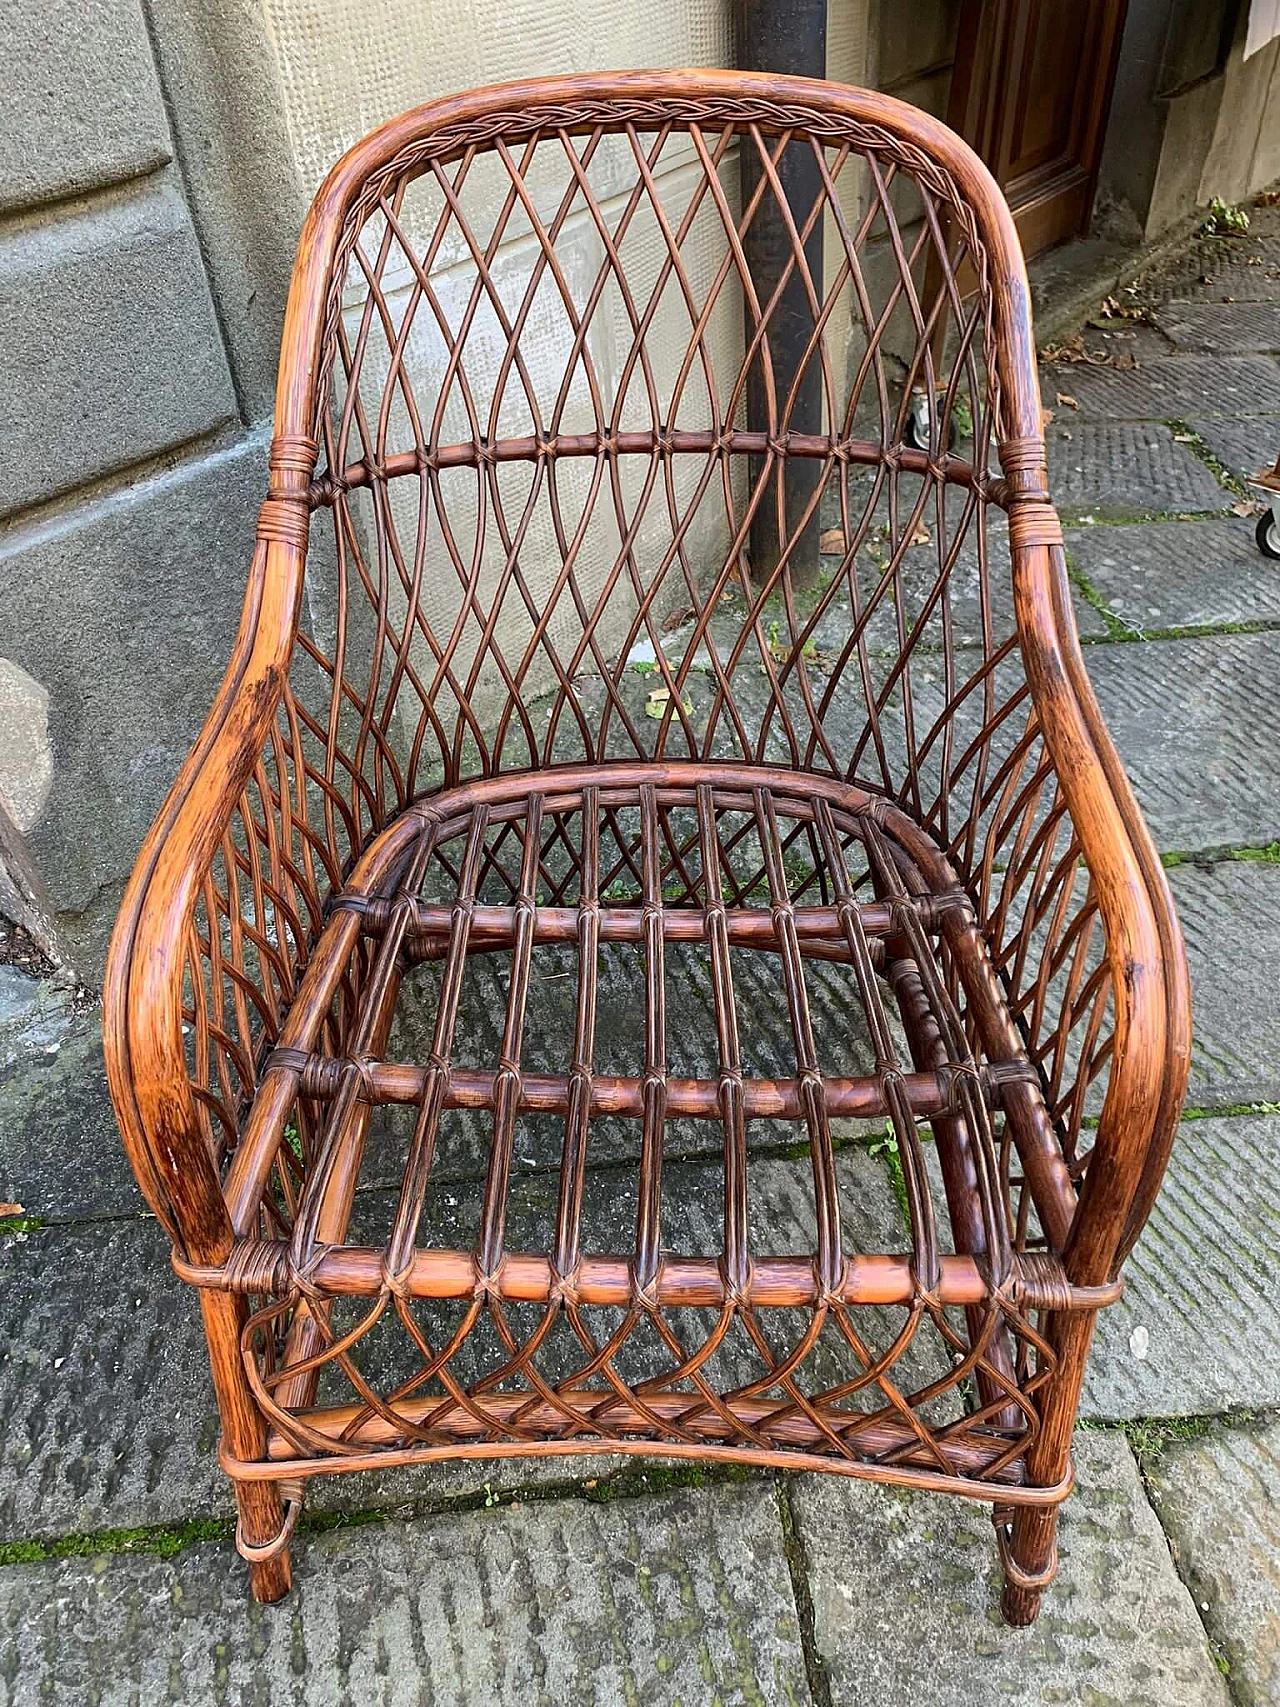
(575, 501)
(558, 443)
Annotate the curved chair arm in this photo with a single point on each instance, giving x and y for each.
(1152, 1040)
(143, 1021)
(142, 993)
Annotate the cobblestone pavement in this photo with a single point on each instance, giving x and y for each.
(601, 1582)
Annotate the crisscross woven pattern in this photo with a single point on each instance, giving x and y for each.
(653, 949)
(532, 529)
(740, 1346)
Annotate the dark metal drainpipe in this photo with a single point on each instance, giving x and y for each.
(788, 36)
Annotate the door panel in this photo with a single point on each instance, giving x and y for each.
(1030, 90)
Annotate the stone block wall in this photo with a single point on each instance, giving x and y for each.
(156, 160)
(131, 470)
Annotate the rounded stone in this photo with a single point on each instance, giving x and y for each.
(26, 756)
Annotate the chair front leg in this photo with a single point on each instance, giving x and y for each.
(260, 1533)
(1029, 1553)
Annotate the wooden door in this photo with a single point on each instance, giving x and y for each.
(1031, 90)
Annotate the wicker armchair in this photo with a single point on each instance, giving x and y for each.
(536, 669)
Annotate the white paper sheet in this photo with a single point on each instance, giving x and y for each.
(1264, 25)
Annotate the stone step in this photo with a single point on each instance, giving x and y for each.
(906, 1594)
(1197, 1329)
(1218, 1497)
(683, 1596)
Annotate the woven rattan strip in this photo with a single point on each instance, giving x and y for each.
(653, 950)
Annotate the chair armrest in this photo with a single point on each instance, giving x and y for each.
(1150, 992)
(142, 996)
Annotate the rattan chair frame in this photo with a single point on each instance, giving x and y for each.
(278, 903)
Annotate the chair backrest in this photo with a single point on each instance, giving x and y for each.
(538, 421)
(595, 367)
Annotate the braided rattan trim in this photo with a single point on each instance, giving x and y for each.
(623, 111)
(1033, 523)
(285, 519)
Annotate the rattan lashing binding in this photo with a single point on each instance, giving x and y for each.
(450, 770)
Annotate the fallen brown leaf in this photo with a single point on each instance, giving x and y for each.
(659, 699)
(678, 618)
(1246, 507)
(921, 536)
(831, 542)
(1066, 401)
(9, 1209)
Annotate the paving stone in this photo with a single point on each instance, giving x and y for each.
(1218, 1498)
(1178, 386)
(906, 1598)
(129, 609)
(1197, 1329)
(60, 1150)
(106, 1413)
(82, 106)
(1230, 917)
(1222, 326)
(111, 308)
(107, 1417)
(1126, 468)
(1243, 269)
(1178, 574)
(685, 1597)
(1243, 446)
(1187, 717)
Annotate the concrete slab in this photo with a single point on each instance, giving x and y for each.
(1243, 446)
(1179, 574)
(1218, 1498)
(1229, 919)
(60, 1150)
(906, 1598)
(1175, 387)
(105, 1400)
(111, 307)
(1122, 469)
(1221, 326)
(106, 1411)
(1197, 1330)
(1186, 716)
(683, 1597)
